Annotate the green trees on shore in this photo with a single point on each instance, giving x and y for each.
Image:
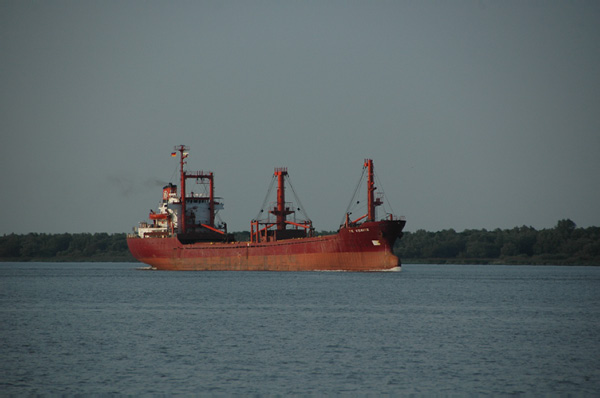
(563, 244)
(64, 247)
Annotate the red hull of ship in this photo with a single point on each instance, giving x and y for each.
(367, 247)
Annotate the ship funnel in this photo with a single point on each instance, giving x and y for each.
(168, 191)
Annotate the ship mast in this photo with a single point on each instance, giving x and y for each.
(182, 198)
(280, 211)
(261, 229)
(370, 190)
(372, 201)
(182, 156)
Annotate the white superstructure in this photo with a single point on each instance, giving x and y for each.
(165, 221)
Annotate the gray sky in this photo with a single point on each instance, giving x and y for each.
(478, 114)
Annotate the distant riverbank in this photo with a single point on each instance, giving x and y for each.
(564, 244)
(496, 261)
(83, 247)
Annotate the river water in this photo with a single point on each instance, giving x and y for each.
(108, 328)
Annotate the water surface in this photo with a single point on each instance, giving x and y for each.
(430, 329)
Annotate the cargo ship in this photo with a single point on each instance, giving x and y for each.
(184, 234)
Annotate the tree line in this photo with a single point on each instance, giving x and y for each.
(88, 247)
(563, 244)
(65, 247)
